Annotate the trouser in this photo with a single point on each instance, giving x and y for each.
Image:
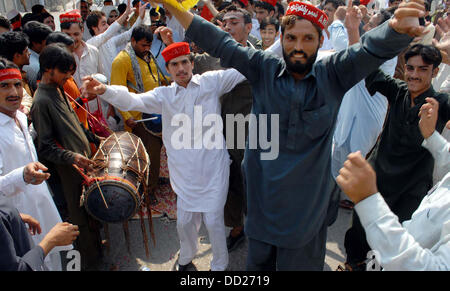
(88, 242)
(266, 257)
(188, 225)
(235, 206)
(355, 241)
(153, 145)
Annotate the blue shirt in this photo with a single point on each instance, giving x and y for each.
(288, 197)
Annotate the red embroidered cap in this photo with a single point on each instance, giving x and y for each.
(309, 12)
(175, 50)
(9, 74)
(70, 17)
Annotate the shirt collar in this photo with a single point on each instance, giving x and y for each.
(194, 80)
(4, 119)
(421, 98)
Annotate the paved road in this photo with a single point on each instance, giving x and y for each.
(164, 254)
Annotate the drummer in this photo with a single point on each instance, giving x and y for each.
(198, 173)
(63, 141)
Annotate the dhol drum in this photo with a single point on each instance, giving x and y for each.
(116, 188)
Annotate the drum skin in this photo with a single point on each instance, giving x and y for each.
(119, 179)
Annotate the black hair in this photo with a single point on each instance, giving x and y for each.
(386, 14)
(27, 18)
(289, 21)
(430, 54)
(142, 31)
(335, 3)
(280, 9)
(265, 5)
(93, 19)
(107, 1)
(11, 43)
(37, 9)
(7, 64)
(153, 12)
(233, 8)
(270, 21)
(57, 56)
(134, 2)
(239, 2)
(4, 22)
(67, 25)
(60, 37)
(223, 6)
(219, 17)
(36, 31)
(122, 8)
(41, 17)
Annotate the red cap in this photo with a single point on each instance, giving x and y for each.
(70, 17)
(308, 12)
(175, 50)
(8, 74)
(271, 2)
(364, 2)
(16, 25)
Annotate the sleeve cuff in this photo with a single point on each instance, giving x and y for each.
(17, 177)
(371, 209)
(434, 143)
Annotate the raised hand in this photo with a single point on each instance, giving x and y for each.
(443, 33)
(166, 34)
(406, 18)
(428, 114)
(353, 17)
(357, 179)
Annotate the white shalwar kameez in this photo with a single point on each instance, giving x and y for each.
(16, 151)
(199, 167)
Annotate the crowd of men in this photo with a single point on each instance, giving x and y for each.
(347, 81)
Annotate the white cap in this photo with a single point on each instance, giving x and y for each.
(12, 13)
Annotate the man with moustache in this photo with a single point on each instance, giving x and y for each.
(22, 180)
(404, 168)
(63, 141)
(86, 56)
(135, 67)
(289, 196)
(237, 22)
(199, 168)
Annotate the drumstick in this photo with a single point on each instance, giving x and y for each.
(101, 193)
(147, 119)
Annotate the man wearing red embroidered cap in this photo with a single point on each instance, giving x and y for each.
(199, 166)
(86, 55)
(289, 198)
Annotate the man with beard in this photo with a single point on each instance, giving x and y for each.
(289, 196)
(135, 68)
(404, 168)
(63, 141)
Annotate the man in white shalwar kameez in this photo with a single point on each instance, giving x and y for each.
(199, 167)
(16, 151)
